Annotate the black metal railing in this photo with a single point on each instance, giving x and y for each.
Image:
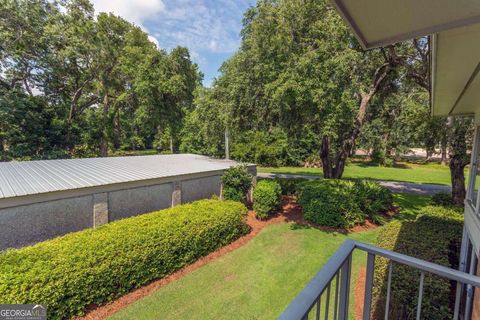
(326, 296)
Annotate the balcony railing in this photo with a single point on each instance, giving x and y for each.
(332, 285)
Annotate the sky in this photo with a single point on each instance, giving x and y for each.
(210, 29)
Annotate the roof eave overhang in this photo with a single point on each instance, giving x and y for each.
(392, 39)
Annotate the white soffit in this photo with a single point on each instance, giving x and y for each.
(455, 66)
(382, 22)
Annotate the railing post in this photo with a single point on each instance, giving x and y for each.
(367, 304)
(345, 288)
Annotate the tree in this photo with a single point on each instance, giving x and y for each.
(91, 82)
(460, 129)
(299, 66)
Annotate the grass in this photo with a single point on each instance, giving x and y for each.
(406, 172)
(258, 280)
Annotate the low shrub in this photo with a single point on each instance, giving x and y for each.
(331, 203)
(442, 199)
(343, 203)
(290, 186)
(267, 198)
(236, 182)
(434, 236)
(373, 198)
(94, 266)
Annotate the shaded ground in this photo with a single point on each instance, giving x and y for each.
(394, 186)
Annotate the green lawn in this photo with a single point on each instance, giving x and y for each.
(417, 173)
(258, 280)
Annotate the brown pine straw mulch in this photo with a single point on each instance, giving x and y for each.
(290, 212)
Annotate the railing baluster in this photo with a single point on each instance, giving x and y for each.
(389, 283)
(420, 295)
(327, 302)
(319, 302)
(457, 300)
(470, 288)
(335, 309)
(340, 266)
(367, 303)
(345, 288)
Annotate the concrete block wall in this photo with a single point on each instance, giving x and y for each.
(36, 222)
(28, 223)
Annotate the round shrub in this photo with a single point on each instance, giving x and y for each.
(444, 199)
(372, 198)
(236, 182)
(267, 198)
(95, 266)
(330, 203)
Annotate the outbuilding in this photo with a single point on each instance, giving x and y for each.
(43, 199)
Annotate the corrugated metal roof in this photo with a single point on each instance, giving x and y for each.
(33, 177)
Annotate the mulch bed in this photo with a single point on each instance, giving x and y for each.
(290, 212)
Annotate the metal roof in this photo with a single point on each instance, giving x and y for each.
(21, 178)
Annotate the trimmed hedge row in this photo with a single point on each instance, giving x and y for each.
(343, 203)
(95, 266)
(434, 236)
(267, 198)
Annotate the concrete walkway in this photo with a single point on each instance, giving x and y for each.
(394, 186)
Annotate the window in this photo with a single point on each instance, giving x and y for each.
(474, 181)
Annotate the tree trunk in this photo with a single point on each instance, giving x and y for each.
(458, 180)
(429, 154)
(444, 154)
(325, 156)
(227, 144)
(443, 148)
(104, 139)
(171, 144)
(3, 150)
(458, 159)
(348, 144)
(116, 131)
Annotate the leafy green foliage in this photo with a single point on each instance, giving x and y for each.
(435, 236)
(95, 266)
(331, 203)
(99, 82)
(236, 182)
(290, 186)
(373, 198)
(442, 199)
(267, 198)
(343, 203)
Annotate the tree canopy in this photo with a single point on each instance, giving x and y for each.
(77, 83)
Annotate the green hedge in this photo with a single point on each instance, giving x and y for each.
(267, 198)
(372, 198)
(236, 182)
(434, 236)
(343, 203)
(94, 266)
(442, 199)
(291, 186)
